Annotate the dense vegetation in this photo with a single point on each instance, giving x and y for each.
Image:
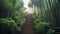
(11, 16)
(46, 15)
(7, 26)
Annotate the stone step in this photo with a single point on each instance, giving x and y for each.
(28, 29)
(57, 32)
(29, 23)
(57, 29)
(28, 32)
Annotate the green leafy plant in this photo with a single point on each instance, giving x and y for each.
(7, 25)
(43, 28)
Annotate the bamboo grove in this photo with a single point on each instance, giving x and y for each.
(48, 12)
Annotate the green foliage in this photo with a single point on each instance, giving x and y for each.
(41, 24)
(12, 9)
(34, 16)
(43, 27)
(8, 25)
(50, 31)
(48, 11)
(19, 18)
(8, 7)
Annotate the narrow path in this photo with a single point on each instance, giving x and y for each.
(28, 28)
(57, 30)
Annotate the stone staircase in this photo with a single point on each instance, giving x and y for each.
(57, 30)
(28, 27)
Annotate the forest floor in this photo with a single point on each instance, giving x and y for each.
(28, 27)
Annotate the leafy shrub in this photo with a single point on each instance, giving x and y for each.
(50, 31)
(7, 26)
(43, 28)
(19, 18)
